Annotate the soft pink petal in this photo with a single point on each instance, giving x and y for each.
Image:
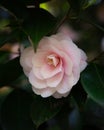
(55, 80)
(36, 82)
(66, 84)
(76, 74)
(48, 71)
(39, 59)
(58, 95)
(37, 73)
(60, 42)
(72, 51)
(83, 62)
(67, 63)
(26, 59)
(46, 92)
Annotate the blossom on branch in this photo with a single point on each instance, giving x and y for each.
(55, 67)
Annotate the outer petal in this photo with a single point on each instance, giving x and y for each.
(46, 92)
(83, 62)
(55, 80)
(76, 74)
(66, 84)
(58, 95)
(38, 60)
(26, 59)
(36, 82)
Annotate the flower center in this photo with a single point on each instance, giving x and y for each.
(53, 60)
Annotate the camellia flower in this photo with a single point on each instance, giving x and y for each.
(55, 67)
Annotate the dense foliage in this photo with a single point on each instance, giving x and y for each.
(22, 23)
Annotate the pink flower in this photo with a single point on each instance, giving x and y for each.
(55, 67)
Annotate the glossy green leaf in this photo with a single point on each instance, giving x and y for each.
(44, 109)
(38, 24)
(10, 71)
(15, 111)
(93, 82)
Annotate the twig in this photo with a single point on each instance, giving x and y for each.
(97, 57)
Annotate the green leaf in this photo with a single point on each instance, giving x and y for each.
(93, 82)
(3, 24)
(88, 3)
(4, 56)
(78, 5)
(93, 114)
(22, 83)
(44, 109)
(38, 24)
(18, 8)
(11, 37)
(15, 112)
(10, 71)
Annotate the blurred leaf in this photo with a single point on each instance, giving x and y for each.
(38, 24)
(94, 115)
(75, 119)
(22, 83)
(10, 71)
(92, 79)
(4, 56)
(79, 94)
(79, 5)
(3, 24)
(18, 8)
(88, 3)
(15, 113)
(44, 109)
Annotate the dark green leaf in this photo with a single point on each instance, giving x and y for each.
(16, 111)
(38, 24)
(18, 8)
(22, 83)
(4, 91)
(93, 82)
(4, 56)
(10, 71)
(93, 115)
(88, 3)
(44, 109)
(78, 5)
(79, 94)
(11, 37)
